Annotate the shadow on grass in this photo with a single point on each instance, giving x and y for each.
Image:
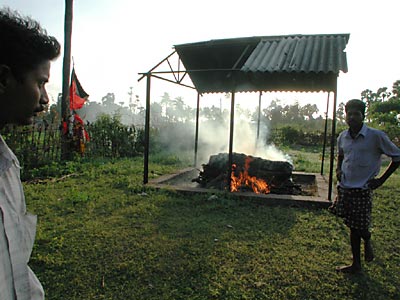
(216, 247)
(365, 286)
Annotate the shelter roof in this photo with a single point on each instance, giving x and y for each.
(266, 63)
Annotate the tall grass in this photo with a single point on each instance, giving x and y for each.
(102, 235)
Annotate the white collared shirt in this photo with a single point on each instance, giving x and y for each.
(362, 155)
(17, 234)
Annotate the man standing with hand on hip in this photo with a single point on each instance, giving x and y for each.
(359, 162)
(25, 55)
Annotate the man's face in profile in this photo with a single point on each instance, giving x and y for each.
(20, 100)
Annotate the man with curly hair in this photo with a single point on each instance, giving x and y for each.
(359, 162)
(25, 55)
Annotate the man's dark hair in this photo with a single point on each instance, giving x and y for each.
(357, 104)
(24, 44)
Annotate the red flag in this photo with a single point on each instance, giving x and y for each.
(79, 119)
(77, 95)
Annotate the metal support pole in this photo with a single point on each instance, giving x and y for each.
(230, 159)
(333, 139)
(259, 116)
(196, 141)
(325, 135)
(147, 132)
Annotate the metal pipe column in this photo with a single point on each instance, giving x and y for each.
(259, 116)
(230, 160)
(333, 139)
(325, 135)
(196, 139)
(147, 132)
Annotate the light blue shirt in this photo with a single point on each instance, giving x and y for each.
(17, 234)
(362, 155)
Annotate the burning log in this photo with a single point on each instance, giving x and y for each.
(248, 173)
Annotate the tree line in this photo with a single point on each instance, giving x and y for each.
(117, 131)
(383, 111)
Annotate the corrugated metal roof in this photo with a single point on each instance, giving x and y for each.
(299, 53)
(266, 63)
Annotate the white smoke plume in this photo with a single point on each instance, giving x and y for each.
(214, 139)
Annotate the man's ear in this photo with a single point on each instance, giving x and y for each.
(5, 73)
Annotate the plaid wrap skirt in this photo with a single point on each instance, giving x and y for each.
(354, 206)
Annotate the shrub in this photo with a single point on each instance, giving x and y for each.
(110, 138)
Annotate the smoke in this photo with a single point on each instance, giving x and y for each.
(214, 132)
(214, 139)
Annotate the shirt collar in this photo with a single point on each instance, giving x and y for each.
(363, 132)
(5, 156)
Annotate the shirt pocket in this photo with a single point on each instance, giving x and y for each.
(364, 158)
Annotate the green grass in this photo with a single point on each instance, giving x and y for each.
(102, 236)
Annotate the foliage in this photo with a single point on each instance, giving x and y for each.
(175, 110)
(53, 169)
(35, 146)
(383, 109)
(110, 138)
(38, 146)
(296, 135)
(215, 114)
(102, 235)
(340, 114)
(277, 115)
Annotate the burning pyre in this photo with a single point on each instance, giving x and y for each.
(244, 180)
(248, 173)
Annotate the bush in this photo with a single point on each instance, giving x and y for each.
(110, 138)
(289, 135)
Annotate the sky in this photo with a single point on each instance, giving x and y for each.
(114, 41)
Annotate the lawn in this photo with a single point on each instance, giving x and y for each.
(102, 236)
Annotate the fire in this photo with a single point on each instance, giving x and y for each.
(259, 186)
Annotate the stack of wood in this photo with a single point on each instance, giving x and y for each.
(277, 174)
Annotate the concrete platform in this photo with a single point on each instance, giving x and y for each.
(315, 185)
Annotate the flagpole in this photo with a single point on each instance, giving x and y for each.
(65, 111)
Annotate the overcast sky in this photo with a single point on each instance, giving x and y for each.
(114, 40)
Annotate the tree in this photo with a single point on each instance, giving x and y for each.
(214, 113)
(134, 104)
(273, 112)
(340, 113)
(308, 111)
(108, 99)
(181, 112)
(386, 112)
(166, 103)
(383, 109)
(155, 113)
(396, 89)
(242, 113)
(370, 98)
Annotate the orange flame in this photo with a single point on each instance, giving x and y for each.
(259, 186)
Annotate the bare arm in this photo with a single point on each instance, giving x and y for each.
(377, 182)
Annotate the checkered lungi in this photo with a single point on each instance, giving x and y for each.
(354, 206)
